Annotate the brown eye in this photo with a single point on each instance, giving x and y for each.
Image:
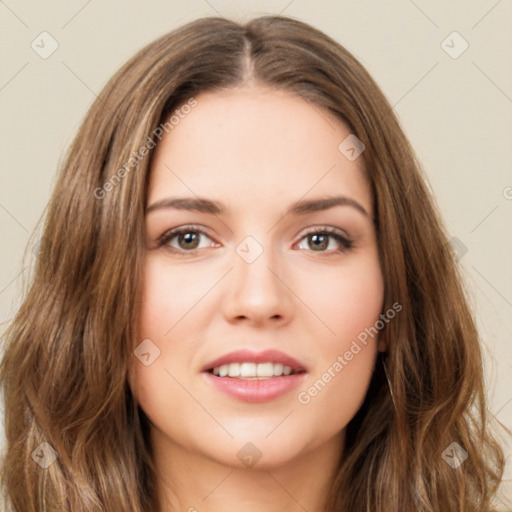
(189, 240)
(185, 239)
(319, 240)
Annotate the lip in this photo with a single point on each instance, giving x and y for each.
(255, 391)
(247, 356)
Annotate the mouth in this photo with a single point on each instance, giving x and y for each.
(253, 377)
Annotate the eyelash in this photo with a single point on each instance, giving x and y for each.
(345, 242)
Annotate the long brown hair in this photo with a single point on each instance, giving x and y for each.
(64, 372)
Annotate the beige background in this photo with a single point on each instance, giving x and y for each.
(456, 111)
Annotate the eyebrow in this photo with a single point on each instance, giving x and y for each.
(301, 207)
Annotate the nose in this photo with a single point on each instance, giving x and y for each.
(258, 292)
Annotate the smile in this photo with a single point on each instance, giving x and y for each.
(249, 370)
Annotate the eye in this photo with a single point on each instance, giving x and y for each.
(318, 240)
(187, 239)
(184, 239)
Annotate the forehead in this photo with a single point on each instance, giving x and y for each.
(252, 145)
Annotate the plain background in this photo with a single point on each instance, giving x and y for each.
(455, 106)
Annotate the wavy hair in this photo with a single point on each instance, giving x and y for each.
(64, 373)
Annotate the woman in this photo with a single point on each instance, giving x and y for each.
(245, 298)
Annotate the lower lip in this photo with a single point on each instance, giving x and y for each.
(255, 391)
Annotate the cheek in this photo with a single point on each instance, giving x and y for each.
(155, 392)
(334, 394)
(147, 376)
(360, 301)
(168, 292)
(350, 305)
(350, 301)
(172, 300)
(168, 317)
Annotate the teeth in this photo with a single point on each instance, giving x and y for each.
(258, 371)
(233, 370)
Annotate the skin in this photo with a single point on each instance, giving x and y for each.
(246, 148)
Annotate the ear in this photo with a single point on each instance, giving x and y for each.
(382, 344)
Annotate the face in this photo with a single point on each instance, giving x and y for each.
(260, 264)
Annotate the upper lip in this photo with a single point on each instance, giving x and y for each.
(247, 356)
